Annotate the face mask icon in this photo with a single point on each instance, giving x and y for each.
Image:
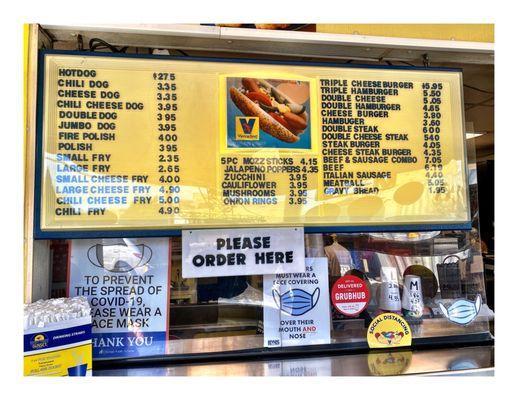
(296, 301)
(119, 257)
(462, 311)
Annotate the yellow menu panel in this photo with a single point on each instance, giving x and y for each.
(138, 143)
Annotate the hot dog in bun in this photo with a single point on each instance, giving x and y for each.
(278, 115)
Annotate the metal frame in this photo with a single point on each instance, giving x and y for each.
(36, 253)
(262, 353)
(280, 43)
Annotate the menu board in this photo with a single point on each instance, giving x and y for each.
(151, 143)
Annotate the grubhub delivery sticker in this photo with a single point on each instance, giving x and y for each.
(350, 295)
(389, 330)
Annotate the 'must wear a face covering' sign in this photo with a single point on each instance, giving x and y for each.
(234, 252)
(296, 306)
(126, 282)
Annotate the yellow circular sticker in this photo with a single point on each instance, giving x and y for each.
(389, 330)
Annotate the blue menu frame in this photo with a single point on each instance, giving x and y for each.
(154, 232)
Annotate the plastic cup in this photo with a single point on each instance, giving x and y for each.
(389, 299)
(413, 296)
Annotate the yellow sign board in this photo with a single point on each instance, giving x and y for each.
(148, 143)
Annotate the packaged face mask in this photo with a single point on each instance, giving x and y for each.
(296, 301)
(462, 311)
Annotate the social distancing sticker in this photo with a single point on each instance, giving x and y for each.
(389, 330)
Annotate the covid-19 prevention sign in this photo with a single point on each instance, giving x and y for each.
(296, 306)
(126, 282)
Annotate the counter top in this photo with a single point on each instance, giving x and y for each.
(475, 360)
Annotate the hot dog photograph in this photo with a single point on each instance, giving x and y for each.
(268, 113)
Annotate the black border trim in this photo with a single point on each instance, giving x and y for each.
(256, 354)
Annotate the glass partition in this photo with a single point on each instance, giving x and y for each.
(227, 313)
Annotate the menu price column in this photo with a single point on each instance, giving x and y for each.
(432, 92)
(298, 181)
(168, 152)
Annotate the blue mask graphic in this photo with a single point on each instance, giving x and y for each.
(462, 311)
(296, 301)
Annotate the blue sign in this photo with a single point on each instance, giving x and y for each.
(126, 282)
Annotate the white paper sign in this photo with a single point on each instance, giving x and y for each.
(296, 306)
(126, 282)
(234, 252)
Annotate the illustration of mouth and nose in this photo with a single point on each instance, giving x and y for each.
(296, 302)
(389, 337)
(462, 311)
(119, 257)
